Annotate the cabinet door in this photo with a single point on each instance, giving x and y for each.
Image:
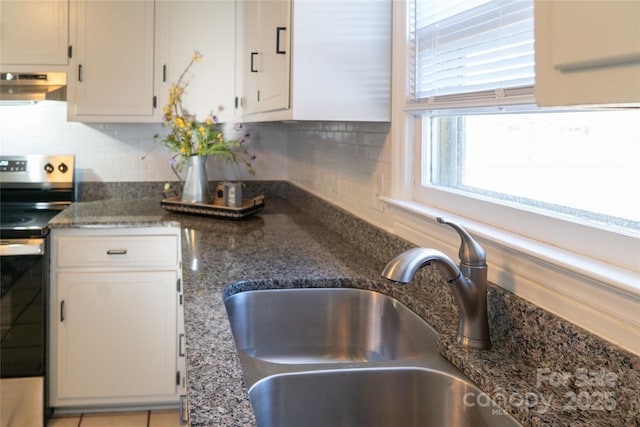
(208, 27)
(247, 57)
(274, 35)
(113, 64)
(587, 52)
(314, 60)
(34, 32)
(116, 336)
(264, 55)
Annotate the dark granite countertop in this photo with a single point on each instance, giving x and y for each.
(284, 246)
(278, 248)
(115, 213)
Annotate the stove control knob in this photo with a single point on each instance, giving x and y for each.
(63, 168)
(48, 168)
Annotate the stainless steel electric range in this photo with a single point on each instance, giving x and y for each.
(33, 189)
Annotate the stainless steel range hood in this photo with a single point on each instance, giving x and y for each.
(33, 87)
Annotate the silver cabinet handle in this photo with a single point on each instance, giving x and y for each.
(183, 409)
(21, 247)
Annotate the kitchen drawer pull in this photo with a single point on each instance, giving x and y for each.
(116, 252)
(80, 72)
(62, 311)
(278, 50)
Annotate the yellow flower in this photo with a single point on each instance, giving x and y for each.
(189, 137)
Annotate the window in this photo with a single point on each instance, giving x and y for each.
(481, 136)
(578, 164)
(551, 194)
(482, 47)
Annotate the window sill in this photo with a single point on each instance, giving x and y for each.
(599, 297)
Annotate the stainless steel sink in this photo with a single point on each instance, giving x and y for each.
(302, 326)
(387, 397)
(348, 357)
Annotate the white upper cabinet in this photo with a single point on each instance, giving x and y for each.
(587, 52)
(209, 28)
(111, 74)
(128, 53)
(263, 56)
(314, 60)
(34, 33)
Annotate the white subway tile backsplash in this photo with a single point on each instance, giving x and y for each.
(338, 161)
(111, 152)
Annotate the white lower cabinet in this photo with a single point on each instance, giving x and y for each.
(116, 325)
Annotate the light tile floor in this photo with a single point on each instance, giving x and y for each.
(125, 419)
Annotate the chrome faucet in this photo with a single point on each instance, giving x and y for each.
(467, 283)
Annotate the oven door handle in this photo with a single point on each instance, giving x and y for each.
(15, 247)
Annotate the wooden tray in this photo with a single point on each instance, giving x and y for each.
(217, 209)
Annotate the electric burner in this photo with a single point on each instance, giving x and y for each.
(33, 189)
(16, 220)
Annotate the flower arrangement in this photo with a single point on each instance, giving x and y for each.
(190, 137)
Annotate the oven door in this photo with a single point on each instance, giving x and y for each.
(22, 332)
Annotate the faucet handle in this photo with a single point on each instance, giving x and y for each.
(470, 253)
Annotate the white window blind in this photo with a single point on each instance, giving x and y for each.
(470, 53)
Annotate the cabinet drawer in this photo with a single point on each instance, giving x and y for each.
(84, 251)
